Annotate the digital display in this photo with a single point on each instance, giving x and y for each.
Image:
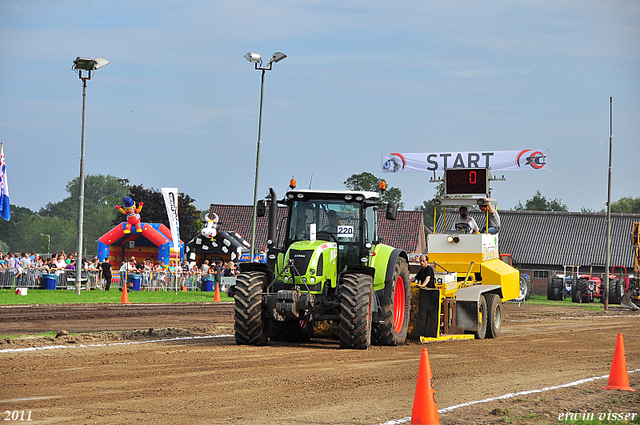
(466, 181)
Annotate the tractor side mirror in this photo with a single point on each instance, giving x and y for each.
(261, 210)
(392, 211)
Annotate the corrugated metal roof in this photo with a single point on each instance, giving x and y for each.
(406, 232)
(560, 238)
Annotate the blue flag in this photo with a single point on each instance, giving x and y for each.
(5, 209)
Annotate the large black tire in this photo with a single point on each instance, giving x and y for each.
(494, 315)
(482, 318)
(251, 328)
(290, 331)
(575, 297)
(395, 304)
(582, 294)
(356, 299)
(550, 289)
(558, 288)
(616, 291)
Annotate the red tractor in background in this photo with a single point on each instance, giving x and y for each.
(586, 288)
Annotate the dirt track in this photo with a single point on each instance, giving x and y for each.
(211, 380)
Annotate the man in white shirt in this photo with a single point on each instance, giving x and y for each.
(464, 222)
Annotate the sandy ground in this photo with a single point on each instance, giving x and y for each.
(122, 364)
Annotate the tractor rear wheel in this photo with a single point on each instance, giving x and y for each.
(550, 289)
(250, 327)
(583, 290)
(558, 285)
(494, 315)
(395, 303)
(290, 331)
(356, 299)
(616, 291)
(575, 297)
(482, 318)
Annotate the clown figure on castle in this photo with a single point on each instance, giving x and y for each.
(133, 214)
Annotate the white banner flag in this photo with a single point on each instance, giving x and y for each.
(170, 195)
(526, 159)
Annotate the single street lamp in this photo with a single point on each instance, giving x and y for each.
(256, 59)
(88, 65)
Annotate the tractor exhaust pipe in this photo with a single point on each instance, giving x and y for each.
(273, 219)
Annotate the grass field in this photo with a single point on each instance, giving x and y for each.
(43, 296)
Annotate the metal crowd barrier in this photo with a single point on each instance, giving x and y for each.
(162, 281)
(66, 279)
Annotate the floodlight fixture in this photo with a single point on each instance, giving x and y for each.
(253, 57)
(277, 57)
(88, 64)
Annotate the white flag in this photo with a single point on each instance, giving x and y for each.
(170, 195)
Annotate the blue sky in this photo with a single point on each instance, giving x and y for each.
(178, 104)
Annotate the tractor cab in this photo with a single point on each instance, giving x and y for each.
(344, 219)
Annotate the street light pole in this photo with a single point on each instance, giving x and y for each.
(83, 64)
(257, 60)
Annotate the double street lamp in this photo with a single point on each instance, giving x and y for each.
(87, 65)
(256, 59)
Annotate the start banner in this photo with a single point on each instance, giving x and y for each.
(526, 159)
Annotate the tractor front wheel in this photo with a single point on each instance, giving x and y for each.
(250, 327)
(395, 304)
(356, 299)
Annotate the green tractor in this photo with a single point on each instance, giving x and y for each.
(329, 267)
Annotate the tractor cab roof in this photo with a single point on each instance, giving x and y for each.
(347, 195)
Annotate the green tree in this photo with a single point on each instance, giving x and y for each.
(369, 182)
(540, 203)
(427, 207)
(626, 205)
(154, 211)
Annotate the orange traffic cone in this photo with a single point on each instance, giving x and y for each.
(425, 409)
(125, 295)
(619, 378)
(216, 295)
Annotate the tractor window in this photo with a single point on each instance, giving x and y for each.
(338, 219)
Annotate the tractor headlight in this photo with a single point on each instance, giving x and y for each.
(312, 280)
(304, 280)
(348, 197)
(312, 271)
(364, 259)
(359, 198)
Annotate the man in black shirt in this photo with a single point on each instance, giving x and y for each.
(425, 277)
(106, 273)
